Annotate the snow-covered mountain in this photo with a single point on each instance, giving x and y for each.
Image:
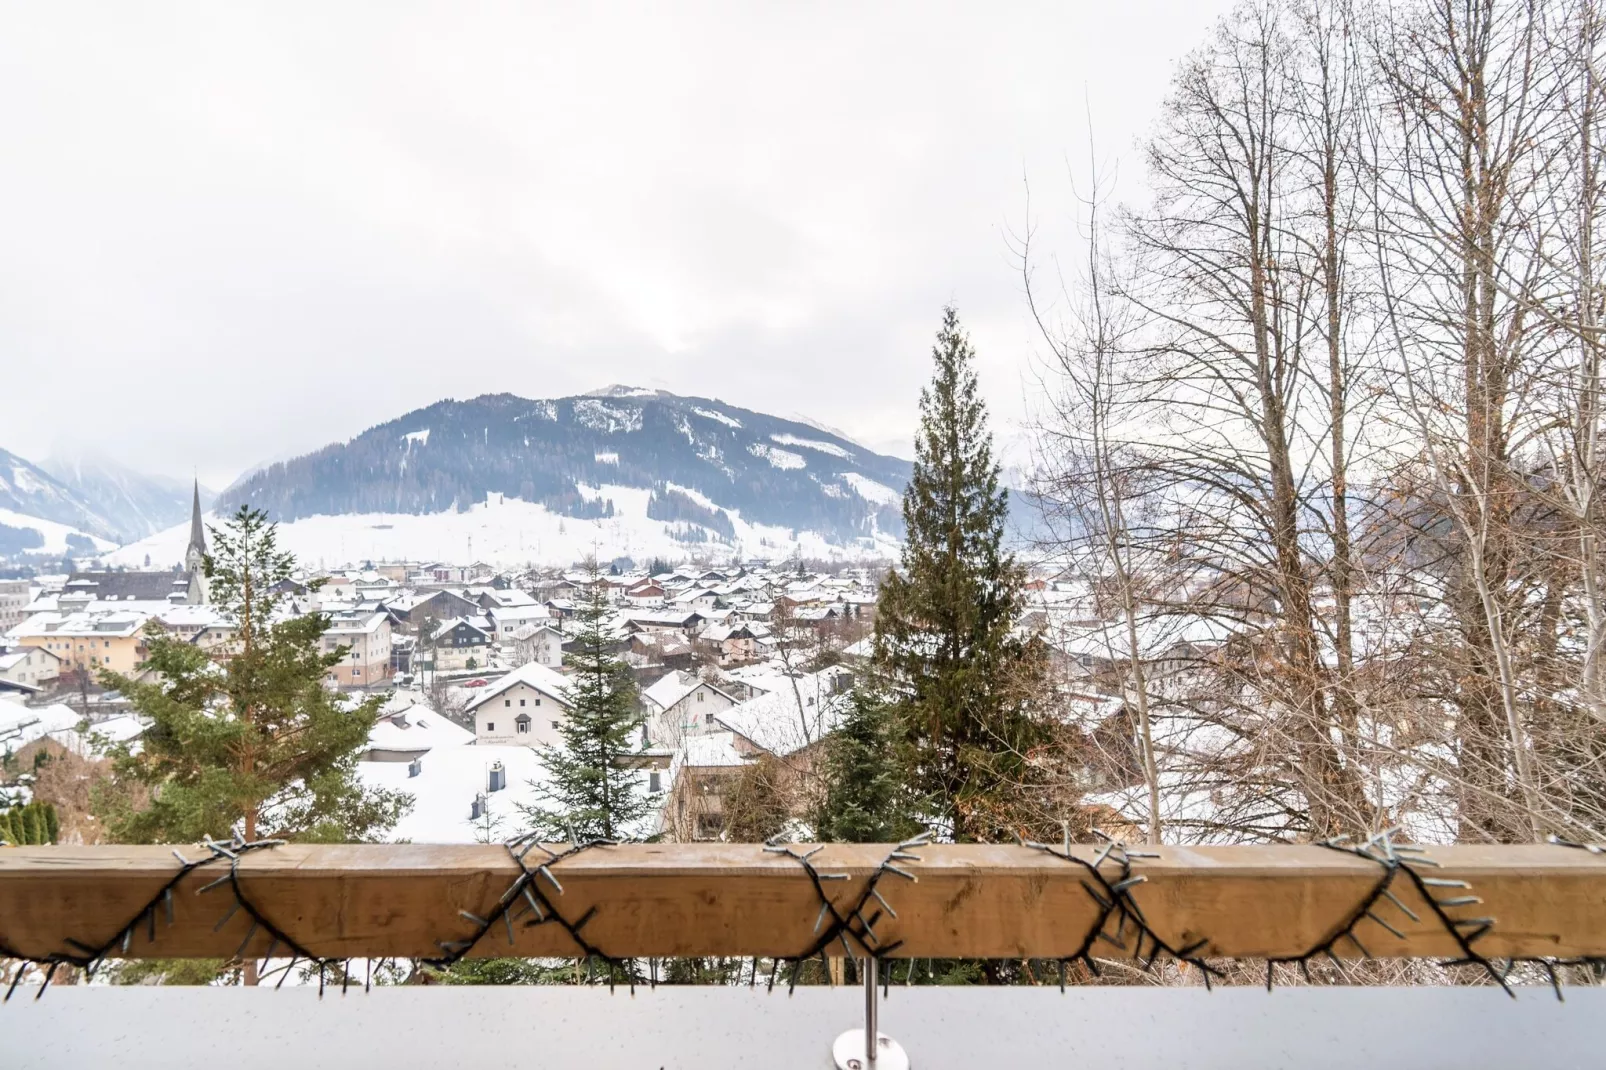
(618, 472)
(38, 514)
(133, 503)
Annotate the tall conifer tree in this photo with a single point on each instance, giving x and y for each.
(591, 788)
(961, 676)
(245, 737)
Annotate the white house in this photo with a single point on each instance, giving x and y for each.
(507, 620)
(682, 704)
(523, 708)
(542, 644)
(30, 665)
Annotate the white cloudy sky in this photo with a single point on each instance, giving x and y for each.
(235, 232)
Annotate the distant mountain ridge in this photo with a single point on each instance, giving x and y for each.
(134, 504)
(704, 462)
(29, 491)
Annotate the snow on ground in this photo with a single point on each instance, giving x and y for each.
(54, 534)
(710, 414)
(420, 437)
(695, 495)
(606, 458)
(870, 490)
(509, 531)
(778, 458)
(813, 444)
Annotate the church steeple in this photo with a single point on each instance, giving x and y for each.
(197, 547)
(195, 554)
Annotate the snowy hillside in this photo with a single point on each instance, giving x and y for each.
(636, 472)
(38, 513)
(507, 531)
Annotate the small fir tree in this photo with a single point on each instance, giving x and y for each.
(245, 737)
(961, 677)
(866, 795)
(590, 787)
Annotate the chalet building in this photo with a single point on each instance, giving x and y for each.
(523, 708)
(408, 614)
(458, 642)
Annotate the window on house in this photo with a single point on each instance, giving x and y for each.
(653, 782)
(699, 696)
(521, 702)
(490, 726)
(523, 723)
(538, 702)
(509, 702)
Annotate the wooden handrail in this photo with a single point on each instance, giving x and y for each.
(741, 900)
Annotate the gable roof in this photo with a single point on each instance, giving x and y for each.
(775, 722)
(547, 681)
(447, 627)
(126, 586)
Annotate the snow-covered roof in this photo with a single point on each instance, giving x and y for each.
(669, 690)
(524, 612)
(97, 738)
(84, 623)
(449, 779)
(779, 722)
(21, 725)
(713, 750)
(17, 657)
(549, 682)
(416, 728)
(447, 626)
(362, 624)
(187, 616)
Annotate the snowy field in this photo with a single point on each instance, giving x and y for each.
(54, 534)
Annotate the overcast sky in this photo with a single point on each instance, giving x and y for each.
(235, 233)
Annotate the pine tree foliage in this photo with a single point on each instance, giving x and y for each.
(590, 786)
(32, 824)
(245, 737)
(866, 797)
(961, 675)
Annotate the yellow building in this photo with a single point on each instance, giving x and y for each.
(113, 640)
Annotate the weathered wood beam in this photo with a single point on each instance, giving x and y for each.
(737, 899)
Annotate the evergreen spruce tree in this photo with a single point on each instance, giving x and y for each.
(32, 824)
(866, 796)
(961, 677)
(590, 786)
(246, 737)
